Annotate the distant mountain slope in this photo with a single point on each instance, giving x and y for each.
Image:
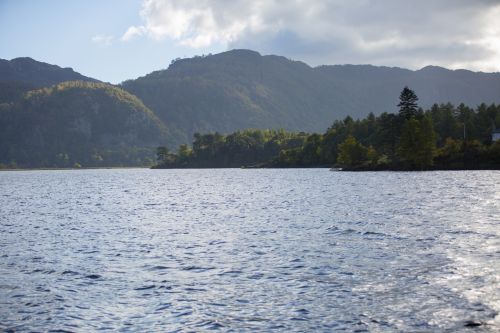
(94, 124)
(377, 88)
(234, 90)
(79, 122)
(37, 74)
(241, 89)
(11, 91)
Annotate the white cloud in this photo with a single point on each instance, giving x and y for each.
(103, 39)
(411, 34)
(133, 32)
(193, 23)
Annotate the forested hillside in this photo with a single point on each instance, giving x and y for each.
(78, 123)
(241, 89)
(45, 115)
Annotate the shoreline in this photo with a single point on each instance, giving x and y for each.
(82, 168)
(333, 169)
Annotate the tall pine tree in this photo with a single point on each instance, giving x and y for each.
(408, 106)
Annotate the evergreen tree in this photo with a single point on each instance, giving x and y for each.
(408, 106)
(408, 142)
(351, 153)
(418, 142)
(426, 143)
(387, 133)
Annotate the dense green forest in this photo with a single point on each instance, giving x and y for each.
(47, 120)
(443, 137)
(241, 148)
(78, 123)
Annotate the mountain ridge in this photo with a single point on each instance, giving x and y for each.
(229, 91)
(37, 73)
(258, 91)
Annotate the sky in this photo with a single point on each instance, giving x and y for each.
(115, 40)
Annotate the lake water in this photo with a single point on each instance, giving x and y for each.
(238, 250)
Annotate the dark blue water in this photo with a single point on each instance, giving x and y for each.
(241, 250)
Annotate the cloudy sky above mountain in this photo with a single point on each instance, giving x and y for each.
(118, 39)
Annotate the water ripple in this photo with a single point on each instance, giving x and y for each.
(249, 250)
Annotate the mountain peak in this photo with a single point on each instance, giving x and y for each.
(29, 71)
(241, 53)
(23, 60)
(432, 68)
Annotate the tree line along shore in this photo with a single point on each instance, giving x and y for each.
(445, 137)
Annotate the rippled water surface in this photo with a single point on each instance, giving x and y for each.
(236, 250)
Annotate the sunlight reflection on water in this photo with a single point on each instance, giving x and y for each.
(293, 250)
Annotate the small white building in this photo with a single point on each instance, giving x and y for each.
(495, 135)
